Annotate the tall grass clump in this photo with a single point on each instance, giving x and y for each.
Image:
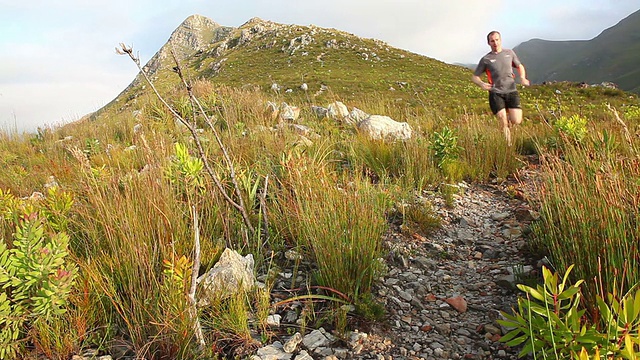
(337, 222)
(421, 170)
(18, 156)
(382, 161)
(343, 230)
(589, 216)
(484, 150)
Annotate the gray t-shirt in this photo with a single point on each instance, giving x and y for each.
(499, 69)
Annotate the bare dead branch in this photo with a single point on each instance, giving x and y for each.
(263, 205)
(125, 50)
(194, 280)
(232, 174)
(544, 120)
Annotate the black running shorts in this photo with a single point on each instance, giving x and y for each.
(499, 101)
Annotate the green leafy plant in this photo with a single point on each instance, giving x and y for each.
(91, 146)
(549, 322)
(621, 319)
(186, 170)
(607, 142)
(574, 126)
(445, 147)
(632, 112)
(35, 273)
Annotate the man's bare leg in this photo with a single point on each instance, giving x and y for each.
(515, 118)
(503, 122)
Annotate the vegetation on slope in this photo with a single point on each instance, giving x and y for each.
(136, 181)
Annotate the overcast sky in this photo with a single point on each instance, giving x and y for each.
(58, 63)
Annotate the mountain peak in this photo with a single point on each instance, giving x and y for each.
(254, 21)
(261, 53)
(197, 21)
(194, 32)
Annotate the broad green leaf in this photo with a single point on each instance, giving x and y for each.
(538, 309)
(605, 312)
(517, 341)
(636, 304)
(569, 293)
(531, 291)
(510, 335)
(566, 276)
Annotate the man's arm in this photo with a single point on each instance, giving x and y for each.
(476, 80)
(523, 75)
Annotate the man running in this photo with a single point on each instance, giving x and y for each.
(504, 99)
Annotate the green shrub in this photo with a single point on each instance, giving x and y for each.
(445, 147)
(549, 322)
(574, 126)
(632, 112)
(186, 170)
(35, 274)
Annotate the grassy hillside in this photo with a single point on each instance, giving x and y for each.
(612, 56)
(261, 53)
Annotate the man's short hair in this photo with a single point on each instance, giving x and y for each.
(491, 33)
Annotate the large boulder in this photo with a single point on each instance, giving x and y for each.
(380, 127)
(232, 273)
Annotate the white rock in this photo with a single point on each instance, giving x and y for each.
(380, 127)
(291, 344)
(357, 115)
(274, 320)
(232, 273)
(288, 112)
(303, 355)
(337, 110)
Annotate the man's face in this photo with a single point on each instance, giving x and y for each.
(495, 42)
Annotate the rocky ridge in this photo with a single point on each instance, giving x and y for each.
(199, 38)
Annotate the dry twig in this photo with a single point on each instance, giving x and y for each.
(627, 134)
(239, 205)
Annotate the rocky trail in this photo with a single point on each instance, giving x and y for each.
(443, 292)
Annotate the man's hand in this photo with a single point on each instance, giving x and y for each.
(483, 85)
(525, 81)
